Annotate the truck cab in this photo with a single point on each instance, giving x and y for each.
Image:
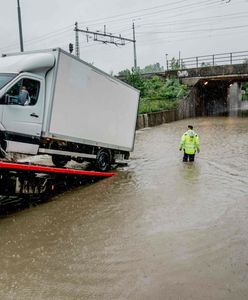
(22, 97)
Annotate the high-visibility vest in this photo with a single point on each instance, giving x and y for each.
(190, 142)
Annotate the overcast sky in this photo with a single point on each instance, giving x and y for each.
(193, 27)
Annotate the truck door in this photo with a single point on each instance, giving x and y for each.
(23, 114)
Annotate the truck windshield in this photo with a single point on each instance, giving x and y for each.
(5, 78)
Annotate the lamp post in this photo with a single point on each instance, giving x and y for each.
(20, 25)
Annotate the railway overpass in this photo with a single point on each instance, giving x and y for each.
(230, 73)
(215, 82)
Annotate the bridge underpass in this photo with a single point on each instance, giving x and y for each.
(215, 90)
(216, 97)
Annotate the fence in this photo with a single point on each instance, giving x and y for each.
(209, 60)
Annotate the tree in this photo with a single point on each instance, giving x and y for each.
(176, 64)
(244, 88)
(124, 72)
(135, 79)
(155, 93)
(203, 64)
(152, 68)
(147, 69)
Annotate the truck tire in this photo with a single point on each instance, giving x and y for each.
(103, 160)
(60, 160)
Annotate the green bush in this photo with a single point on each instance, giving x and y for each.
(244, 87)
(146, 106)
(155, 94)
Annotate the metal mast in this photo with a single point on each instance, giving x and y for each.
(20, 25)
(134, 48)
(77, 52)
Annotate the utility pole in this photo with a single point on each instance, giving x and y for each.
(20, 25)
(76, 40)
(105, 38)
(134, 48)
(166, 58)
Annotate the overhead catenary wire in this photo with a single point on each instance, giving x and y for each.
(190, 22)
(40, 38)
(208, 5)
(186, 38)
(155, 14)
(89, 22)
(213, 1)
(49, 35)
(196, 30)
(188, 6)
(197, 21)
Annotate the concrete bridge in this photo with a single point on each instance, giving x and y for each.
(215, 89)
(214, 80)
(230, 73)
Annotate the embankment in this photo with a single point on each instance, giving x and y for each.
(186, 108)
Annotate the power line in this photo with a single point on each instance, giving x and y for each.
(64, 29)
(158, 12)
(191, 22)
(188, 6)
(183, 38)
(170, 17)
(194, 20)
(197, 30)
(155, 11)
(128, 13)
(40, 38)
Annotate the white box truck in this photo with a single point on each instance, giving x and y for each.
(53, 103)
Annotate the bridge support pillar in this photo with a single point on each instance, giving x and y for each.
(234, 99)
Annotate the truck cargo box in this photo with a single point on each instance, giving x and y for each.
(89, 106)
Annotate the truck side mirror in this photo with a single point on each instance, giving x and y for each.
(7, 99)
(10, 100)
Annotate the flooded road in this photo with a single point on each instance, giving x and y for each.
(161, 229)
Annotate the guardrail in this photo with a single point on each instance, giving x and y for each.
(208, 60)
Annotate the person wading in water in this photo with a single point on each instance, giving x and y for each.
(189, 144)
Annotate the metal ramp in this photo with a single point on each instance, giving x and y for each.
(22, 179)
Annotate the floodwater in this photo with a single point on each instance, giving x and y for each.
(160, 229)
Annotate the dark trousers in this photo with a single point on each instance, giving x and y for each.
(188, 157)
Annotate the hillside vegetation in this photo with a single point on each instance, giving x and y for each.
(156, 94)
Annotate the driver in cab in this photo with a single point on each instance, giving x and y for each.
(23, 97)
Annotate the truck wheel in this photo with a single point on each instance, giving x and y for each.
(103, 160)
(60, 160)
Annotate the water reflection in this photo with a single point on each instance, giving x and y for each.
(190, 172)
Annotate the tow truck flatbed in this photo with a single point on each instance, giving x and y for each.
(48, 169)
(18, 179)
